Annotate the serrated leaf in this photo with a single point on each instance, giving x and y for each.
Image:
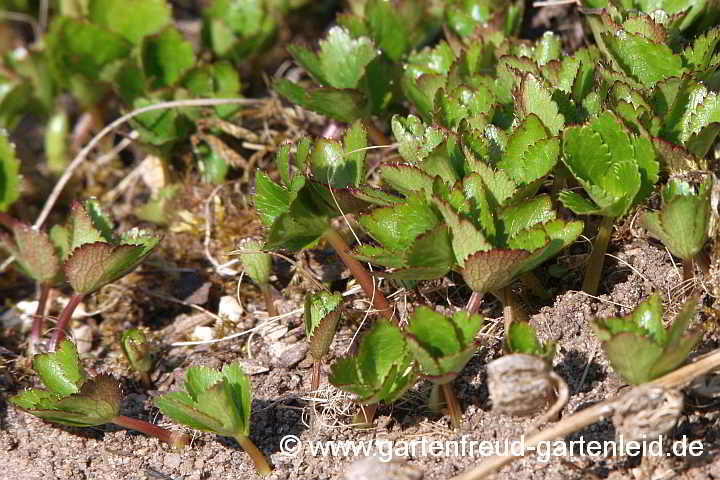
(36, 254)
(241, 391)
(296, 231)
(380, 256)
(698, 55)
(521, 338)
(388, 28)
(492, 269)
(60, 370)
(75, 46)
(432, 249)
(532, 96)
(322, 313)
(257, 264)
(397, 227)
(342, 105)
(343, 59)
(551, 238)
(522, 216)
(271, 199)
(530, 154)
(100, 219)
(181, 408)
(81, 227)
(405, 178)
(641, 58)
(133, 19)
(435, 60)
(466, 238)
(166, 57)
(9, 173)
(93, 265)
(415, 140)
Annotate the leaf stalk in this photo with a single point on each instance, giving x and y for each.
(597, 257)
(176, 439)
(261, 464)
(64, 320)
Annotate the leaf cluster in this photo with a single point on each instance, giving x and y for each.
(640, 348)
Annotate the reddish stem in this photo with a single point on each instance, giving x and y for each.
(176, 439)
(473, 304)
(262, 467)
(7, 221)
(64, 320)
(266, 290)
(39, 318)
(361, 275)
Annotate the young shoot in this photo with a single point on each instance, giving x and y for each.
(638, 345)
(136, 348)
(442, 346)
(322, 314)
(71, 398)
(616, 169)
(258, 266)
(683, 222)
(218, 402)
(381, 370)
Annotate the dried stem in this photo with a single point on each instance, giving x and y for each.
(688, 269)
(315, 381)
(261, 464)
(376, 136)
(176, 439)
(513, 311)
(361, 275)
(39, 318)
(64, 320)
(597, 257)
(452, 403)
(365, 416)
(674, 380)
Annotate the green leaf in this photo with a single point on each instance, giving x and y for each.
(641, 58)
(532, 96)
(241, 389)
(296, 231)
(60, 370)
(180, 407)
(521, 338)
(159, 127)
(133, 19)
(415, 140)
(166, 57)
(271, 199)
(9, 173)
(381, 370)
(136, 348)
(397, 227)
(322, 313)
(530, 154)
(257, 264)
(405, 179)
(343, 59)
(522, 216)
(78, 47)
(342, 105)
(466, 238)
(683, 223)
(389, 29)
(632, 356)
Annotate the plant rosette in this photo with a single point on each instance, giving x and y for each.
(75, 400)
(442, 346)
(218, 402)
(381, 370)
(638, 345)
